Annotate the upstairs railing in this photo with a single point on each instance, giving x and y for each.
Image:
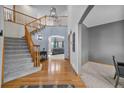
(39, 24)
(17, 17)
(35, 25)
(54, 21)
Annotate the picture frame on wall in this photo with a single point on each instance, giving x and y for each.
(1, 32)
(73, 42)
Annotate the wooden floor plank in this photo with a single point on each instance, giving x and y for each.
(53, 72)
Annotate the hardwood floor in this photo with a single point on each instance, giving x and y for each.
(54, 72)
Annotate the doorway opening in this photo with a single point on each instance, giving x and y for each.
(56, 47)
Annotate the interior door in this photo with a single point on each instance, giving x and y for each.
(69, 45)
(1, 45)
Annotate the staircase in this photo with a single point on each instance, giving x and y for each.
(18, 60)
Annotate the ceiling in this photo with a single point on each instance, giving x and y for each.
(102, 14)
(45, 9)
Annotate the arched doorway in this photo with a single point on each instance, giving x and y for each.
(56, 47)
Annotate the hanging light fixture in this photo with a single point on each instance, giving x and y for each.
(53, 12)
(53, 16)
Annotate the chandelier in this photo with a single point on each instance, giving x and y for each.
(53, 12)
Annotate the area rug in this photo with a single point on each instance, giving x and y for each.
(49, 86)
(96, 75)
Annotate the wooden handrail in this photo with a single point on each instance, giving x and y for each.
(34, 49)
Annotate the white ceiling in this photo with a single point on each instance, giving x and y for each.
(45, 9)
(102, 14)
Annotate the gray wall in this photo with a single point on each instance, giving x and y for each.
(105, 41)
(83, 45)
(75, 13)
(13, 30)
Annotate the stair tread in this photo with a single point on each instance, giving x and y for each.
(18, 60)
(10, 47)
(13, 38)
(17, 52)
(15, 47)
(18, 57)
(14, 42)
(6, 50)
(13, 54)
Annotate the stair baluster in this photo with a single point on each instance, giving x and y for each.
(34, 49)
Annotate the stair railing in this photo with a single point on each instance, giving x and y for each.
(34, 49)
(44, 21)
(30, 28)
